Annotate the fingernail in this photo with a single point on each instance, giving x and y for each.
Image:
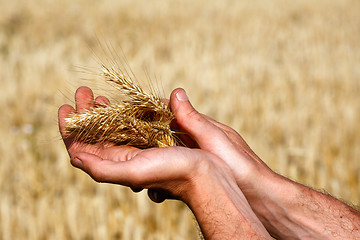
(181, 96)
(77, 163)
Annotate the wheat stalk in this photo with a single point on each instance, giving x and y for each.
(141, 120)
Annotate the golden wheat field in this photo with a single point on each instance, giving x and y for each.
(285, 74)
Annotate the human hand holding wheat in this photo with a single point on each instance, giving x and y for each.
(287, 209)
(199, 178)
(219, 178)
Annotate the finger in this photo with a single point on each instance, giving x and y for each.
(199, 128)
(64, 112)
(102, 101)
(84, 99)
(118, 153)
(183, 137)
(103, 170)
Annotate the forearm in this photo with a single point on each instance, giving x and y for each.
(223, 212)
(292, 211)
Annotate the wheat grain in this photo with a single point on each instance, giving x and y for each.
(141, 120)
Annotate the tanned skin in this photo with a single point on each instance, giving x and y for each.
(232, 192)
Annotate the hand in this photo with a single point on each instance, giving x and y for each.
(109, 163)
(287, 209)
(198, 177)
(211, 136)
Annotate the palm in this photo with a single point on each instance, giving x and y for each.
(126, 165)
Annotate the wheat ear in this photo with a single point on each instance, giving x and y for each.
(141, 120)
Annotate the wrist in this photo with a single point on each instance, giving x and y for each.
(270, 198)
(221, 208)
(273, 199)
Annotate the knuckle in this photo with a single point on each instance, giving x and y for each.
(192, 113)
(194, 116)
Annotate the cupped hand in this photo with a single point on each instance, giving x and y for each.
(200, 174)
(207, 138)
(220, 140)
(167, 172)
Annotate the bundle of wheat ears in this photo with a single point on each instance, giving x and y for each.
(142, 119)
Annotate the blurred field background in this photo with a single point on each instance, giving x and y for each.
(285, 74)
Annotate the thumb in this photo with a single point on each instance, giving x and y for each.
(194, 123)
